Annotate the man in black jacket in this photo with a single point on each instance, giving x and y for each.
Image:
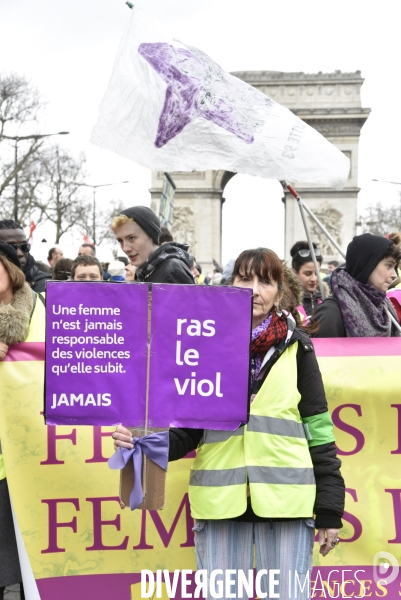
(137, 230)
(13, 234)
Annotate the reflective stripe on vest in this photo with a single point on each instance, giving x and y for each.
(271, 453)
(218, 478)
(259, 424)
(284, 475)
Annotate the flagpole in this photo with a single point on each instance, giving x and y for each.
(311, 248)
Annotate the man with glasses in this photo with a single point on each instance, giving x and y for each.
(12, 233)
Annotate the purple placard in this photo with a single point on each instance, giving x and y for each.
(200, 352)
(96, 353)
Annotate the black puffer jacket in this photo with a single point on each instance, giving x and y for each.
(36, 279)
(310, 302)
(170, 263)
(330, 321)
(330, 489)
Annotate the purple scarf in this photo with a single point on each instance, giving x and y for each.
(363, 307)
(257, 358)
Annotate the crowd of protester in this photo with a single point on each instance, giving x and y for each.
(288, 309)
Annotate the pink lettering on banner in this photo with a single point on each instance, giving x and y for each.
(99, 523)
(347, 428)
(398, 407)
(98, 435)
(396, 496)
(352, 519)
(164, 533)
(52, 438)
(54, 525)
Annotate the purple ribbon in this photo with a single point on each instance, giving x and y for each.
(155, 446)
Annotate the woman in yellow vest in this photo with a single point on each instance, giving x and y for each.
(17, 303)
(262, 489)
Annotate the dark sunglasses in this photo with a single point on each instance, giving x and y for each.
(306, 253)
(24, 247)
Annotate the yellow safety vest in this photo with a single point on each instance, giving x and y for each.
(36, 334)
(270, 453)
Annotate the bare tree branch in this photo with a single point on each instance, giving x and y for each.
(104, 217)
(20, 102)
(62, 202)
(381, 220)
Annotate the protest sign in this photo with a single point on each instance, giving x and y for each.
(101, 370)
(196, 380)
(96, 353)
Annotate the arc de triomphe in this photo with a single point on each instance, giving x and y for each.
(329, 102)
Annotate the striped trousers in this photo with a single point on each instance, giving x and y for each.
(284, 546)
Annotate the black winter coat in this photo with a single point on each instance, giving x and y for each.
(36, 279)
(170, 263)
(330, 320)
(311, 301)
(330, 489)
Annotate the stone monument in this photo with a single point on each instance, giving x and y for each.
(329, 102)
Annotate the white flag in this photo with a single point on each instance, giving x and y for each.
(170, 107)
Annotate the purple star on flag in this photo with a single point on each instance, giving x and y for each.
(198, 87)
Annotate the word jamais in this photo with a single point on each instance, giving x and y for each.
(191, 356)
(81, 399)
(233, 583)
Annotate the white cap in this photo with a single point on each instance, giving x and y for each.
(116, 268)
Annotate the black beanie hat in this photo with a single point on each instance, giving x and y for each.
(11, 254)
(364, 254)
(146, 219)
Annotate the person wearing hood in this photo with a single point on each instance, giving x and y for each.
(359, 306)
(254, 491)
(137, 230)
(12, 233)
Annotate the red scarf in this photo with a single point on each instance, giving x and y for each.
(275, 333)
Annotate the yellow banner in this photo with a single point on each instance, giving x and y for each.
(66, 498)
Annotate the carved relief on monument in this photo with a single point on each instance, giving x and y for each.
(183, 230)
(183, 175)
(332, 220)
(336, 128)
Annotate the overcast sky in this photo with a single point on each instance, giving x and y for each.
(67, 49)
